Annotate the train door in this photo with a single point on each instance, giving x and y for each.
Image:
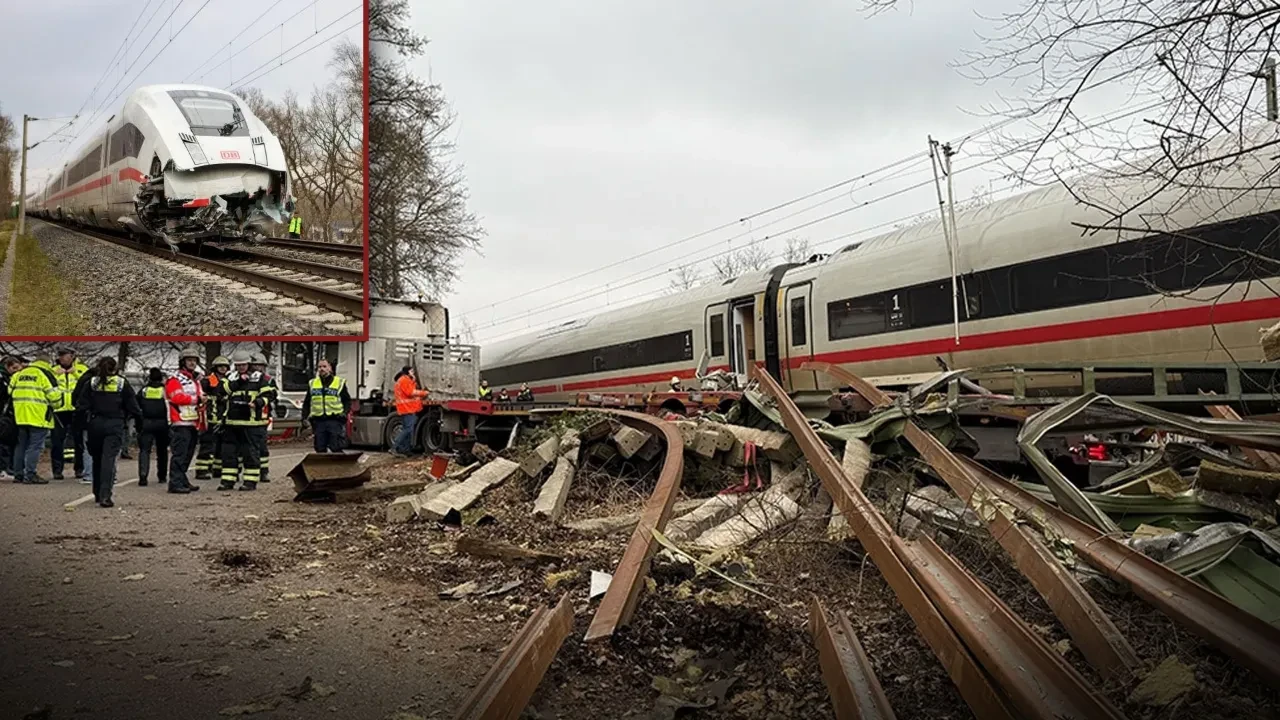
(100, 215)
(742, 352)
(797, 336)
(715, 347)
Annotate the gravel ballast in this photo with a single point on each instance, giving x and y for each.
(124, 292)
(343, 261)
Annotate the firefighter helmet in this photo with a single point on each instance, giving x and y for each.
(221, 360)
(190, 351)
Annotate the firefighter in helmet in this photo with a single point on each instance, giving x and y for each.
(243, 420)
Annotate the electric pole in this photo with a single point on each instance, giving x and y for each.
(22, 182)
(1268, 75)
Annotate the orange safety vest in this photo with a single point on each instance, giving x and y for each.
(408, 396)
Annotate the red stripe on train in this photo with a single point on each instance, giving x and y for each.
(1199, 316)
(132, 174)
(91, 185)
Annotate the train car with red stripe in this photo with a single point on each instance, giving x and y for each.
(1191, 276)
(177, 163)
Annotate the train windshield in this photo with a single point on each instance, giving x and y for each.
(211, 113)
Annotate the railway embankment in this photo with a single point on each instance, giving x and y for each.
(39, 297)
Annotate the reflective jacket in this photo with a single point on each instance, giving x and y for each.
(486, 393)
(295, 225)
(112, 398)
(183, 392)
(408, 396)
(326, 399)
(250, 397)
(214, 387)
(34, 396)
(154, 406)
(67, 380)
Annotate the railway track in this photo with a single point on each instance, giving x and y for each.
(319, 247)
(335, 288)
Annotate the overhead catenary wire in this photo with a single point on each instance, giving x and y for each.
(233, 39)
(274, 28)
(241, 82)
(606, 288)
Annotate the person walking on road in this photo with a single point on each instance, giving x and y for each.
(408, 397)
(107, 402)
(153, 429)
(35, 394)
(183, 393)
(326, 407)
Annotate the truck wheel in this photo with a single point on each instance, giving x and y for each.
(390, 430)
(430, 434)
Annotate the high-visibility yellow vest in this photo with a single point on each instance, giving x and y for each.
(34, 397)
(115, 383)
(151, 392)
(486, 393)
(326, 401)
(66, 382)
(295, 225)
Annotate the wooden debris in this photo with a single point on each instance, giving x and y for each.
(541, 457)
(1261, 511)
(623, 523)
(1212, 476)
(502, 551)
(856, 463)
(463, 495)
(1261, 459)
(1167, 483)
(555, 491)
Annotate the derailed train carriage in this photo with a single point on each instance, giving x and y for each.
(1191, 286)
(177, 163)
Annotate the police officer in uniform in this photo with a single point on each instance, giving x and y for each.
(525, 394)
(241, 425)
(486, 392)
(213, 388)
(269, 393)
(325, 407)
(107, 401)
(153, 428)
(34, 393)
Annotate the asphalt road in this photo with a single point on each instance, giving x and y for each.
(141, 611)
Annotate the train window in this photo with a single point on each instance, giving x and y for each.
(799, 324)
(717, 335)
(930, 304)
(93, 163)
(856, 317)
(1063, 281)
(211, 113)
(125, 143)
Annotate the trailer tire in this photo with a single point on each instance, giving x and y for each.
(389, 431)
(430, 434)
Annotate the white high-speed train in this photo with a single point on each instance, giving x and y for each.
(1034, 288)
(178, 162)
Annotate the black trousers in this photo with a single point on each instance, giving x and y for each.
(264, 452)
(153, 435)
(68, 443)
(330, 433)
(182, 443)
(240, 450)
(106, 437)
(209, 459)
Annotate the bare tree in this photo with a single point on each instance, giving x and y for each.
(419, 222)
(732, 264)
(797, 250)
(684, 278)
(8, 158)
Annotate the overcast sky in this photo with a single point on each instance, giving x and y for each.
(592, 131)
(55, 52)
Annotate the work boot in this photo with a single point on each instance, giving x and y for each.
(36, 480)
(163, 481)
(59, 476)
(106, 503)
(249, 486)
(142, 482)
(179, 490)
(226, 486)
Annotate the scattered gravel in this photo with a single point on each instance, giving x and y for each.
(343, 261)
(124, 292)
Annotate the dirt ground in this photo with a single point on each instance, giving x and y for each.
(197, 606)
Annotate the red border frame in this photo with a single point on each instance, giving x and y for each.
(364, 334)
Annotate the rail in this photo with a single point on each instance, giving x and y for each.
(855, 692)
(975, 636)
(315, 246)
